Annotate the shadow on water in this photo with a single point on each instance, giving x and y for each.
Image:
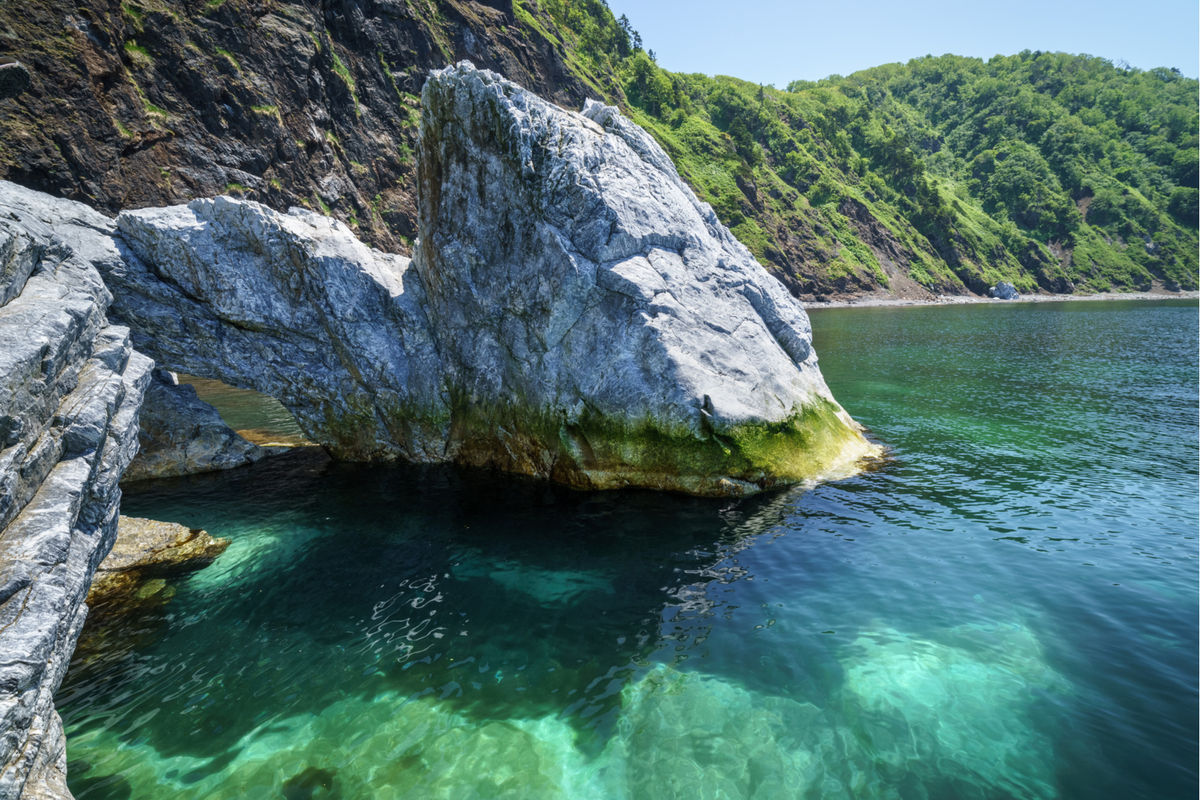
(501, 597)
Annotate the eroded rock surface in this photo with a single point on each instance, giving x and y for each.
(180, 434)
(70, 387)
(596, 322)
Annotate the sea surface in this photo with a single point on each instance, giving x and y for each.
(1007, 607)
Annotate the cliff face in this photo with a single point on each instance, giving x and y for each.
(310, 102)
(70, 387)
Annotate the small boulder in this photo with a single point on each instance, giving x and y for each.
(1004, 291)
(180, 434)
(145, 552)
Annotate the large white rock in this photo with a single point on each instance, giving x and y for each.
(572, 311)
(596, 322)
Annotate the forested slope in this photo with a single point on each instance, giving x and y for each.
(1052, 171)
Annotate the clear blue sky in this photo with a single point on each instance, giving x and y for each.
(775, 41)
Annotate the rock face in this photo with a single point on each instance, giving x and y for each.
(572, 312)
(14, 78)
(308, 102)
(70, 387)
(596, 322)
(180, 434)
(291, 305)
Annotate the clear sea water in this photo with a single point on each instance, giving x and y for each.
(1006, 608)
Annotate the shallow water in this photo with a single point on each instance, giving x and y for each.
(1006, 609)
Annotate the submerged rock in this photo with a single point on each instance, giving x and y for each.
(70, 387)
(960, 712)
(146, 552)
(180, 434)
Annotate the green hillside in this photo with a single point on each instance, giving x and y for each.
(1054, 172)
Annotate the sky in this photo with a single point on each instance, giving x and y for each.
(775, 41)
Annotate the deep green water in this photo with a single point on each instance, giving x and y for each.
(1008, 608)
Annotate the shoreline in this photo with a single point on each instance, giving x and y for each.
(875, 301)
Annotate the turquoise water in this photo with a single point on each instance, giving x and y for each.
(1007, 608)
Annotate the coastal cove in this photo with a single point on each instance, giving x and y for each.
(1005, 607)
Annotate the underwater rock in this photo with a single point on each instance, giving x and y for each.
(965, 705)
(1004, 291)
(685, 734)
(180, 434)
(70, 388)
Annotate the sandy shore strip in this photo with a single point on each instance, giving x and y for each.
(884, 301)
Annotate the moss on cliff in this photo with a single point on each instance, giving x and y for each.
(597, 451)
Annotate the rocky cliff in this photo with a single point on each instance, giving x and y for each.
(70, 387)
(310, 103)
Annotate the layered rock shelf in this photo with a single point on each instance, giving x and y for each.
(70, 389)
